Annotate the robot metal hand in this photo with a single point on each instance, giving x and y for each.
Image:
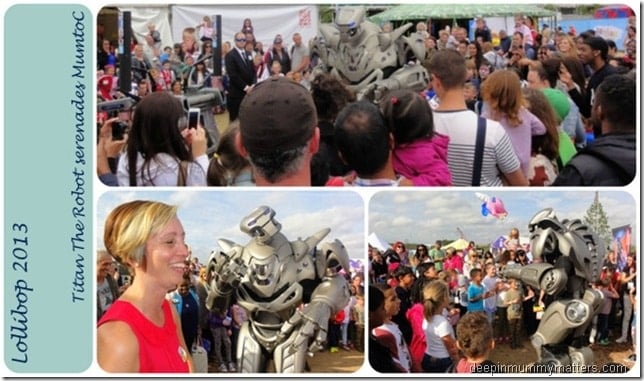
(232, 273)
(412, 77)
(311, 322)
(376, 91)
(224, 274)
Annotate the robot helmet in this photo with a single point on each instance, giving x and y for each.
(260, 224)
(348, 20)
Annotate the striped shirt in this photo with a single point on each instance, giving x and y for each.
(498, 154)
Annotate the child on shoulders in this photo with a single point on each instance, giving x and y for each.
(419, 154)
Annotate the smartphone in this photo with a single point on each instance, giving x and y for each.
(193, 117)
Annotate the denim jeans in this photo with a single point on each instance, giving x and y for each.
(435, 364)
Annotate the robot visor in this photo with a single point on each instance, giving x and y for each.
(265, 270)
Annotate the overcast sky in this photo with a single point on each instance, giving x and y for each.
(428, 216)
(410, 216)
(210, 215)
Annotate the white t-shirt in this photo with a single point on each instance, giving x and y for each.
(404, 357)
(164, 171)
(490, 284)
(435, 330)
(498, 154)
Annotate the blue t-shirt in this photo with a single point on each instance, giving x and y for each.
(473, 292)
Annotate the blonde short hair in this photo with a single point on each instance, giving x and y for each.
(129, 226)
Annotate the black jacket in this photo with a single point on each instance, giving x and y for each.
(608, 161)
(240, 71)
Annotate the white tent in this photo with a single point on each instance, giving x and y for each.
(459, 244)
(376, 242)
(141, 16)
(268, 20)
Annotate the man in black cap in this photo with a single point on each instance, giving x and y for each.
(278, 132)
(593, 51)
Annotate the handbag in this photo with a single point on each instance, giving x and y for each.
(199, 358)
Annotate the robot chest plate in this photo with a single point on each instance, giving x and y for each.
(358, 62)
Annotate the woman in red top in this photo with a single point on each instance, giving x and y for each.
(141, 332)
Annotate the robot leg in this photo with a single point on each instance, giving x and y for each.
(290, 358)
(250, 356)
(559, 320)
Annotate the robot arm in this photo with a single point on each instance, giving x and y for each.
(224, 274)
(412, 77)
(542, 276)
(330, 296)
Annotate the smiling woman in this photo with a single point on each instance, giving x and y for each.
(141, 332)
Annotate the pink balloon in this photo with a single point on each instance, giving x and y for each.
(496, 208)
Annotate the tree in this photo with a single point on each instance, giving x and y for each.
(326, 13)
(597, 220)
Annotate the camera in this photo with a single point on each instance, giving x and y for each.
(113, 108)
(118, 130)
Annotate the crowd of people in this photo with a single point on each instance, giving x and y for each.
(431, 294)
(479, 122)
(535, 108)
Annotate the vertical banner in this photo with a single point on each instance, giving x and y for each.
(622, 244)
(48, 174)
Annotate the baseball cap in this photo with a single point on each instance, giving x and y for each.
(559, 102)
(278, 115)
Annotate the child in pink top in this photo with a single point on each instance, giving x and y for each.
(419, 154)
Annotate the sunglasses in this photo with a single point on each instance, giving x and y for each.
(240, 39)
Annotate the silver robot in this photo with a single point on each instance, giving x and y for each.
(272, 277)
(568, 258)
(371, 61)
